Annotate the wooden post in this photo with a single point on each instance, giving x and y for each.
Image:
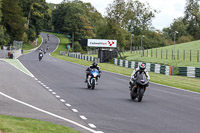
(190, 55)
(151, 53)
(161, 53)
(184, 55)
(156, 53)
(177, 54)
(197, 55)
(143, 52)
(166, 53)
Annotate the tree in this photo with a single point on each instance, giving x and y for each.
(71, 18)
(37, 17)
(192, 18)
(13, 19)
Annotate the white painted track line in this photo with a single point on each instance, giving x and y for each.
(49, 113)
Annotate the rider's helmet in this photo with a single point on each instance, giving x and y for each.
(142, 67)
(94, 64)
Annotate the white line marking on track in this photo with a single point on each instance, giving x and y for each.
(47, 87)
(83, 117)
(62, 100)
(92, 125)
(75, 110)
(54, 93)
(68, 105)
(49, 113)
(50, 90)
(57, 96)
(44, 85)
(30, 74)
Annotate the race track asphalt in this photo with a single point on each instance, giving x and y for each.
(108, 106)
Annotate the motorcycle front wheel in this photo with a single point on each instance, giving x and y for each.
(93, 83)
(141, 93)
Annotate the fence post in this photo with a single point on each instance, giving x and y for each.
(151, 53)
(166, 53)
(172, 54)
(184, 54)
(190, 55)
(161, 53)
(143, 52)
(197, 55)
(177, 54)
(156, 53)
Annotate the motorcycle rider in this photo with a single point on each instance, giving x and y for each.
(142, 68)
(40, 52)
(94, 65)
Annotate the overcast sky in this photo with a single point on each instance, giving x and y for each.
(169, 9)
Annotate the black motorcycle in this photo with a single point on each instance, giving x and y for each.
(40, 56)
(137, 90)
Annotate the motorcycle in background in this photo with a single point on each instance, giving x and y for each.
(92, 78)
(141, 83)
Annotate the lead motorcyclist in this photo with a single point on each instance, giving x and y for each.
(94, 65)
(142, 68)
(40, 52)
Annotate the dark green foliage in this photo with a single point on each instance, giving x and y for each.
(71, 18)
(13, 19)
(77, 47)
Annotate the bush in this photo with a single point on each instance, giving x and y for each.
(183, 39)
(77, 47)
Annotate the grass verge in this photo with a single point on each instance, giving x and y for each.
(186, 83)
(27, 47)
(9, 124)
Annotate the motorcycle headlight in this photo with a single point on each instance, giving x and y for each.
(94, 74)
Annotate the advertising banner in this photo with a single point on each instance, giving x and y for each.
(102, 43)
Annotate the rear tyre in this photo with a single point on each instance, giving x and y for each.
(141, 93)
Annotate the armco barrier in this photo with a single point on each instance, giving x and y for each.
(83, 57)
(157, 68)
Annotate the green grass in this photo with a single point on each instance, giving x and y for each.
(151, 56)
(30, 46)
(174, 81)
(9, 124)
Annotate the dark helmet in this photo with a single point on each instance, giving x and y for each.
(94, 64)
(142, 67)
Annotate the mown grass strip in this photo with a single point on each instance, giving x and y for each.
(9, 124)
(186, 83)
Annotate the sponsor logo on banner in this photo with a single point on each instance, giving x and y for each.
(102, 43)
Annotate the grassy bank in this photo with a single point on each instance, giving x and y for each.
(27, 47)
(9, 124)
(174, 81)
(163, 55)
